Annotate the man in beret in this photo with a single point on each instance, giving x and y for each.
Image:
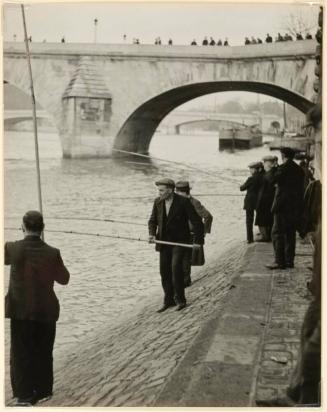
(183, 189)
(169, 221)
(264, 216)
(33, 309)
(252, 186)
(287, 209)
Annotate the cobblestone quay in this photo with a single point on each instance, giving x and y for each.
(235, 343)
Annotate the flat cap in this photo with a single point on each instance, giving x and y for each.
(255, 165)
(269, 158)
(287, 151)
(183, 184)
(165, 182)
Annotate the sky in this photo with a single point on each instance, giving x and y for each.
(180, 21)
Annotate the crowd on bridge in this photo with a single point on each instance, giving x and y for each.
(211, 41)
(278, 38)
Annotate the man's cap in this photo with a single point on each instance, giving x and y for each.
(165, 182)
(269, 158)
(255, 165)
(287, 151)
(183, 184)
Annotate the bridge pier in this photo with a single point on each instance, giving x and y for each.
(86, 114)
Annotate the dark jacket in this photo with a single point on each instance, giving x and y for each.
(264, 216)
(206, 216)
(311, 207)
(252, 186)
(35, 266)
(290, 188)
(175, 226)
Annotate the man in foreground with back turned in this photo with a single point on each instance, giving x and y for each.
(33, 309)
(169, 221)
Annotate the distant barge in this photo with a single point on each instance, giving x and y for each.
(245, 138)
(297, 142)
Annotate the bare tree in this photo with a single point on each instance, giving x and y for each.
(300, 22)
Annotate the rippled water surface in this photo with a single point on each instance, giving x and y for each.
(111, 278)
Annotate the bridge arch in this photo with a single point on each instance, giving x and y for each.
(136, 133)
(42, 111)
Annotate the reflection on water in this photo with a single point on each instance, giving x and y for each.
(109, 277)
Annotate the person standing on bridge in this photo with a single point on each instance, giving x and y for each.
(184, 189)
(169, 221)
(33, 309)
(212, 42)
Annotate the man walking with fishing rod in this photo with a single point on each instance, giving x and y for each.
(33, 309)
(169, 221)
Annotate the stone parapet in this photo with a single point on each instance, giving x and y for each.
(255, 51)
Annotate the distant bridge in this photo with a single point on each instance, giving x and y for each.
(179, 118)
(12, 117)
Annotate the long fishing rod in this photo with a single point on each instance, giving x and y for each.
(37, 160)
(177, 163)
(138, 239)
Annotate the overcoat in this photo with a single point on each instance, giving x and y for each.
(252, 186)
(264, 215)
(203, 213)
(290, 188)
(35, 266)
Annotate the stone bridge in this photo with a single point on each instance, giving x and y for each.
(175, 121)
(12, 117)
(104, 95)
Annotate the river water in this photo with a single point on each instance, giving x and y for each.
(110, 279)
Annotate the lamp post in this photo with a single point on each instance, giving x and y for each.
(95, 29)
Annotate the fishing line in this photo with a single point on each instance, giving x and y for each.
(224, 178)
(86, 219)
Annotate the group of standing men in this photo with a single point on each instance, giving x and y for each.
(276, 193)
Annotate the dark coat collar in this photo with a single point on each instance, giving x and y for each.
(32, 237)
